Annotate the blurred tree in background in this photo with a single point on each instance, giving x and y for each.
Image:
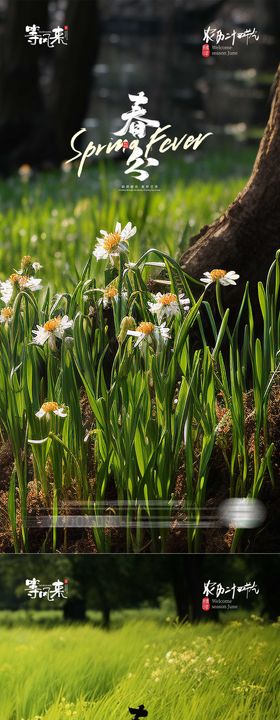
(107, 583)
(33, 128)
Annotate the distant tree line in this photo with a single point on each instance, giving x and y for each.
(107, 583)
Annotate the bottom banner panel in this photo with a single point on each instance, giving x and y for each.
(130, 637)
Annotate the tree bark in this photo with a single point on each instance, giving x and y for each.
(246, 236)
(75, 610)
(186, 578)
(72, 72)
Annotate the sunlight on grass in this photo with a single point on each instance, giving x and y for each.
(56, 217)
(189, 672)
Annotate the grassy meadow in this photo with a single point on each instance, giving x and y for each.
(107, 405)
(56, 216)
(222, 672)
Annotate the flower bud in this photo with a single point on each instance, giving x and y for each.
(128, 323)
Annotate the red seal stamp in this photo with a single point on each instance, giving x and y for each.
(205, 604)
(205, 51)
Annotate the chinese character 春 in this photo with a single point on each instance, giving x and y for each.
(136, 123)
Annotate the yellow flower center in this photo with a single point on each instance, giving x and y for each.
(110, 292)
(145, 327)
(25, 261)
(168, 298)
(17, 279)
(111, 240)
(49, 406)
(217, 274)
(51, 325)
(7, 313)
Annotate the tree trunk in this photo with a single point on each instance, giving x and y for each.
(72, 72)
(101, 589)
(75, 610)
(186, 578)
(245, 238)
(106, 617)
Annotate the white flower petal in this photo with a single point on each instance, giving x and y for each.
(60, 412)
(6, 291)
(33, 284)
(40, 335)
(207, 281)
(227, 281)
(128, 231)
(65, 323)
(36, 266)
(232, 274)
(100, 253)
(141, 337)
(40, 413)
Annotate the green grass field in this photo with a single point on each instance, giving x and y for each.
(56, 216)
(218, 672)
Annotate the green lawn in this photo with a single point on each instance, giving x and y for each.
(56, 217)
(218, 672)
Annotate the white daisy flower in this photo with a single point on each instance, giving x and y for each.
(6, 315)
(221, 276)
(37, 266)
(52, 329)
(168, 304)
(16, 283)
(149, 332)
(112, 244)
(51, 407)
(111, 294)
